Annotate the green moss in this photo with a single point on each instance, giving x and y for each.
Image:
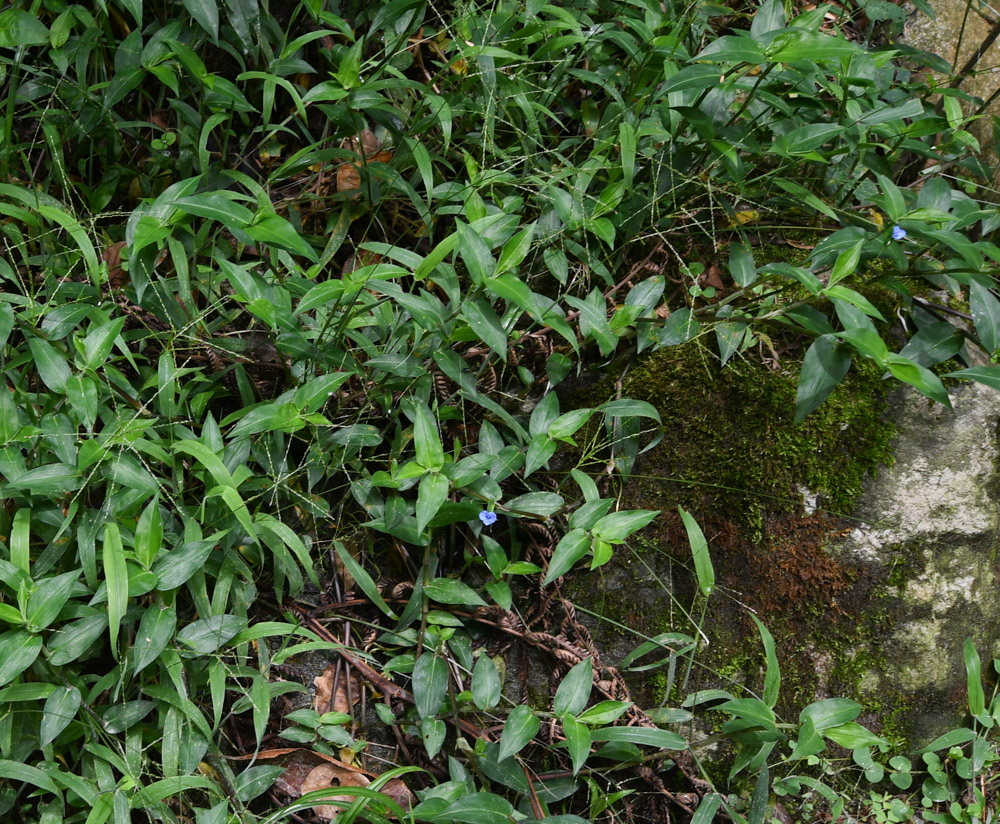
(733, 446)
(732, 454)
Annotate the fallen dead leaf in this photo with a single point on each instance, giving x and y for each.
(326, 700)
(112, 256)
(399, 792)
(368, 148)
(327, 776)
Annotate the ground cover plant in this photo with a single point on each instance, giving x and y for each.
(289, 291)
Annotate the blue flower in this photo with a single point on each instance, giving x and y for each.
(488, 518)
(898, 232)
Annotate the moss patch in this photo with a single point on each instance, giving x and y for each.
(732, 455)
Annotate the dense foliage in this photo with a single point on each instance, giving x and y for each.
(287, 296)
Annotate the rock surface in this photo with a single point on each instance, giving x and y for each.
(929, 527)
(957, 35)
(870, 583)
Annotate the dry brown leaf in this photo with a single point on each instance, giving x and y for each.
(368, 149)
(712, 277)
(348, 178)
(328, 701)
(112, 256)
(327, 776)
(399, 792)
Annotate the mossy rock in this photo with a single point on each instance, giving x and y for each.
(768, 494)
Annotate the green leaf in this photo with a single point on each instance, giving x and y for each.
(486, 324)
(450, 591)
(475, 253)
(430, 684)
(808, 743)
(772, 676)
(73, 640)
(276, 231)
(426, 441)
(987, 375)
(751, 709)
(18, 651)
(698, 76)
(432, 733)
(20, 540)
(156, 629)
(173, 569)
(974, 679)
(629, 408)
(912, 107)
(644, 736)
(485, 684)
(52, 366)
(48, 600)
(216, 206)
(679, 328)
(824, 366)
(699, 553)
(769, 17)
(594, 320)
(577, 741)
(25, 774)
(515, 291)
(854, 298)
(260, 701)
(705, 814)
(514, 252)
(432, 493)
(798, 44)
(798, 273)
(19, 28)
(919, 377)
(256, 780)
(116, 577)
(237, 506)
(741, 265)
(51, 479)
(543, 504)
(521, 727)
(206, 15)
(363, 579)
(149, 533)
(761, 795)
(732, 49)
(574, 690)
(210, 634)
(626, 140)
(570, 549)
(605, 712)
(934, 343)
(830, 712)
(479, 808)
(541, 448)
(97, 345)
(806, 139)
(851, 736)
(846, 265)
(207, 458)
(617, 526)
(952, 738)
(60, 709)
(893, 200)
(985, 309)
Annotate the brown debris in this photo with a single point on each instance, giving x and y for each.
(332, 693)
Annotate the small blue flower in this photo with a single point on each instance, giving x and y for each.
(898, 232)
(488, 518)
